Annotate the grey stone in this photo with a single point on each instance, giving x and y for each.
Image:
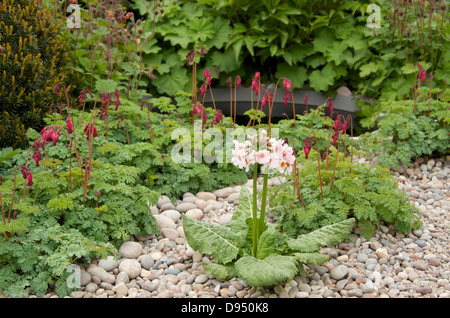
(355, 292)
(85, 277)
(122, 277)
(77, 294)
(163, 221)
(206, 196)
(109, 263)
(174, 215)
(195, 213)
(302, 295)
(121, 290)
(201, 279)
(102, 274)
(163, 200)
(420, 243)
(339, 272)
(130, 249)
(147, 261)
(167, 206)
(184, 207)
(173, 271)
(91, 288)
(132, 267)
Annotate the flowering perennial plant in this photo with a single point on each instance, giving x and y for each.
(274, 155)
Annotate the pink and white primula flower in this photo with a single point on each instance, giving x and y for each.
(269, 152)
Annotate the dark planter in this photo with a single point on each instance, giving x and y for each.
(344, 102)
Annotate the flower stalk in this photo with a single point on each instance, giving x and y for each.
(269, 153)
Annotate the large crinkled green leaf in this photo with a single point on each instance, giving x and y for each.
(212, 239)
(325, 236)
(268, 242)
(268, 271)
(243, 212)
(225, 272)
(314, 258)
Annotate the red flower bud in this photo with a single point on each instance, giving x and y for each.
(69, 125)
(37, 157)
(229, 81)
(287, 83)
(30, 179)
(238, 81)
(335, 136)
(330, 104)
(203, 89)
(307, 147)
(54, 135)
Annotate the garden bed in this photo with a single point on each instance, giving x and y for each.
(389, 265)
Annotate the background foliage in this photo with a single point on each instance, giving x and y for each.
(33, 59)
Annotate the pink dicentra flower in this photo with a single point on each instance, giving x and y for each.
(238, 81)
(255, 83)
(69, 124)
(37, 157)
(90, 130)
(207, 76)
(54, 135)
(307, 147)
(203, 89)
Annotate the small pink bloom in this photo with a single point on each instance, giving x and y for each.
(238, 81)
(267, 98)
(307, 147)
(69, 125)
(117, 99)
(229, 81)
(25, 171)
(287, 97)
(255, 83)
(37, 157)
(263, 157)
(218, 116)
(287, 83)
(30, 179)
(335, 137)
(90, 129)
(330, 104)
(54, 135)
(203, 89)
(207, 76)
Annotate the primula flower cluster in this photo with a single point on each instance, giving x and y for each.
(272, 153)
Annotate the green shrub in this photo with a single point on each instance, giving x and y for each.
(32, 63)
(409, 129)
(367, 194)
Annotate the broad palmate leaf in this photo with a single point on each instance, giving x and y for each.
(325, 236)
(269, 271)
(212, 239)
